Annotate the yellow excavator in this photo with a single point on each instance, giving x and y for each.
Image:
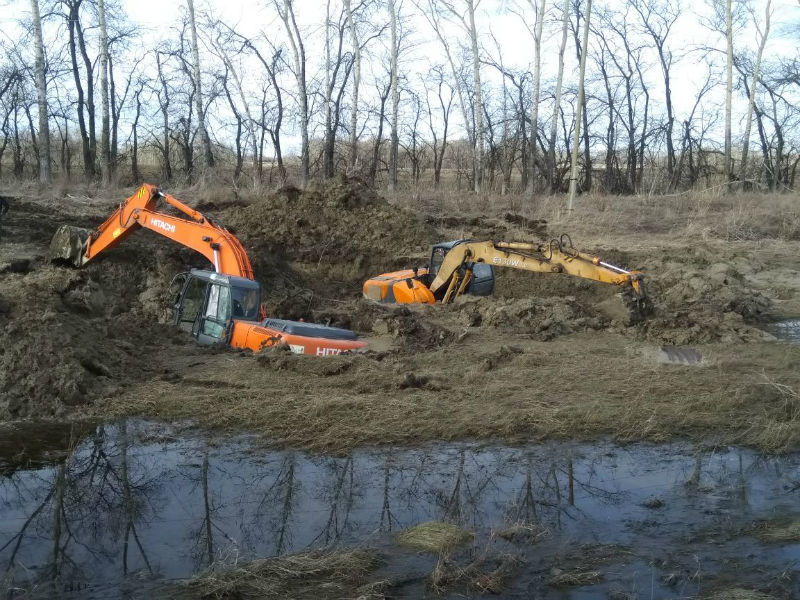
(467, 267)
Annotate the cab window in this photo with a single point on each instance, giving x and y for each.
(437, 258)
(193, 300)
(218, 310)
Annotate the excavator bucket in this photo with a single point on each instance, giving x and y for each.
(68, 244)
(626, 307)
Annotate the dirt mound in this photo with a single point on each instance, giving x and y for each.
(718, 288)
(71, 336)
(342, 226)
(542, 318)
(413, 327)
(704, 302)
(685, 327)
(510, 226)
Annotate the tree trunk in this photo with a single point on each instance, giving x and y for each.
(105, 173)
(537, 70)
(552, 174)
(395, 101)
(41, 93)
(478, 100)
(752, 96)
(728, 94)
(198, 98)
(89, 99)
(356, 83)
(286, 14)
(579, 109)
(135, 147)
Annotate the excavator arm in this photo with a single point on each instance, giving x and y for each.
(193, 230)
(557, 256)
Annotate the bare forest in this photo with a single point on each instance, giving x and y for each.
(524, 96)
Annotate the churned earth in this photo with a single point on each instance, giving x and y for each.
(540, 358)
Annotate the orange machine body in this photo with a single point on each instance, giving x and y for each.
(232, 268)
(400, 287)
(301, 338)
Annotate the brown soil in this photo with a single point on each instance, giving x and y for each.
(539, 358)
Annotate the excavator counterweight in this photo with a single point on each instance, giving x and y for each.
(467, 267)
(219, 306)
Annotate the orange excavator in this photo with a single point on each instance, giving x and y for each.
(219, 306)
(467, 267)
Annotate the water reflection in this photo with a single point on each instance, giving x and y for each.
(137, 498)
(788, 330)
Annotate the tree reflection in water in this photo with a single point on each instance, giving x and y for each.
(135, 498)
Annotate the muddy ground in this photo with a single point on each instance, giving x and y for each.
(538, 359)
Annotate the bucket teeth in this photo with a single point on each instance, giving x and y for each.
(640, 307)
(68, 244)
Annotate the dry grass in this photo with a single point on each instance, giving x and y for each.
(329, 576)
(776, 532)
(434, 536)
(486, 574)
(738, 594)
(570, 578)
(547, 390)
(707, 215)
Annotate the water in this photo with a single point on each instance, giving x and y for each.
(788, 330)
(138, 501)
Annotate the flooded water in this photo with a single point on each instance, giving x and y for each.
(102, 511)
(788, 330)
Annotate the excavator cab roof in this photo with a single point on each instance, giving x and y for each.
(223, 279)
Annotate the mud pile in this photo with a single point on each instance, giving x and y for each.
(71, 336)
(705, 303)
(717, 288)
(343, 227)
(542, 318)
(509, 226)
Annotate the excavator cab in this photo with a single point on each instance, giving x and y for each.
(482, 281)
(207, 303)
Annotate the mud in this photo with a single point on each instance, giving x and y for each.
(97, 340)
(340, 232)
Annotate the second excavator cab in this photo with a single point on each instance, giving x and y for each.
(482, 281)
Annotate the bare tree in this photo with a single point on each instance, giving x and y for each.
(85, 99)
(105, 174)
(205, 140)
(552, 176)
(337, 72)
(573, 178)
(221, 43)
(752, 96)
(658, 18)
(538, 9)
(163, 94)
(351, 23)
(445, 102)
(286, 12)
(41, 93)
(395, 92)
(727, 172)
(466, 17)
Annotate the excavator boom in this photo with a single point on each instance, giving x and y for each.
(197, 232)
